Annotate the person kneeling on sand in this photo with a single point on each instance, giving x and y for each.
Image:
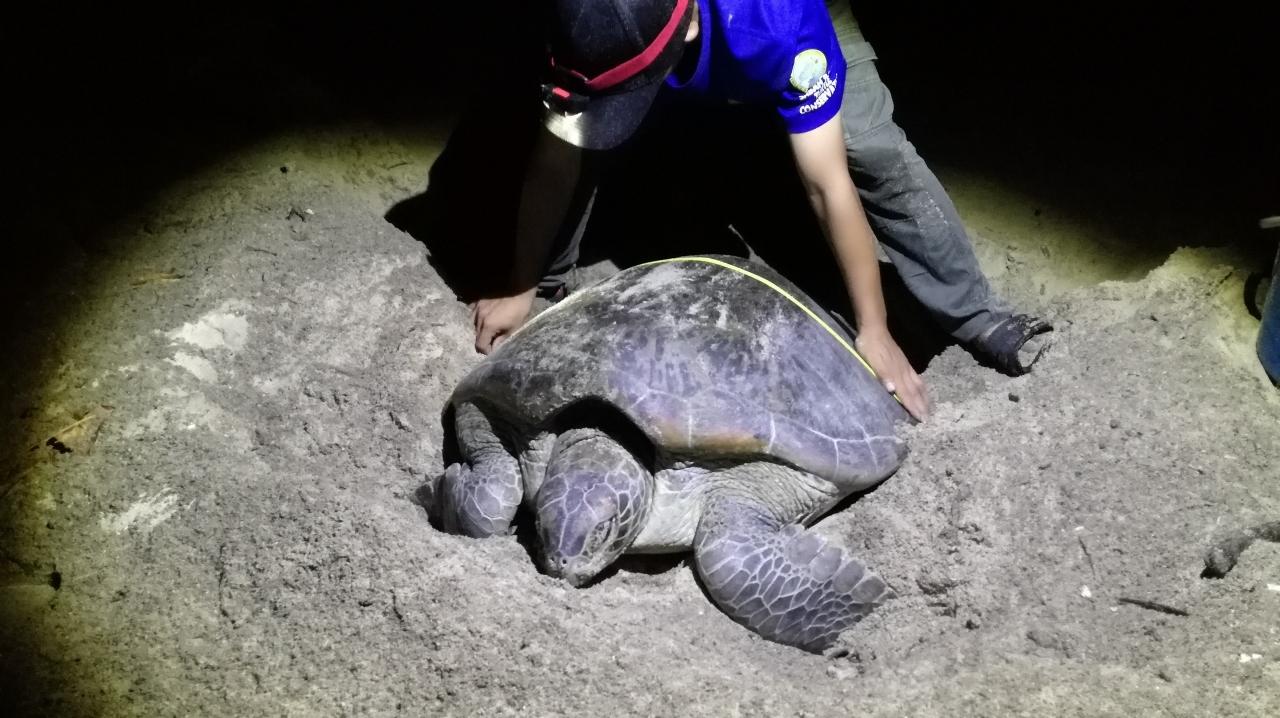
(608, 61)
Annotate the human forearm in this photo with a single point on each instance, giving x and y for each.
(840, 214)
(820, 156)
(551, 178)
(550, 181)
(854, 247)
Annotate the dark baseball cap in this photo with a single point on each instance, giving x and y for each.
(607, 61)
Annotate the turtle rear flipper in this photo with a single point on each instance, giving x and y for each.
(781, 580)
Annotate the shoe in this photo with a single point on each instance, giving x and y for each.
(1014, 344)
(553, 294)
(556, 286)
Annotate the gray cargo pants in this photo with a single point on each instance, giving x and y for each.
(915, 221)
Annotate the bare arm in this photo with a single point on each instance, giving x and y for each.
(552, 176)
(820, 157)
(549, 183)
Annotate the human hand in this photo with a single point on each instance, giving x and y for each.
(496, 318)
(894, 371)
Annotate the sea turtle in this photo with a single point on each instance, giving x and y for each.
(698, 403)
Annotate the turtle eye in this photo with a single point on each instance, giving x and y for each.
(600, 534)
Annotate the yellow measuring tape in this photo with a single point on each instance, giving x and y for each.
(836, 335)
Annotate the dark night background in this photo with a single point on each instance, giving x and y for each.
(1157, 126)
(1163, 117)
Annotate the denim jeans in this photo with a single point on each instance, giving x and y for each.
(908, 210)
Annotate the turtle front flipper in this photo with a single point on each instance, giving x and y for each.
(781, 580)
(478, 498)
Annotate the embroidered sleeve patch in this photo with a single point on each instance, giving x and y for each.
(809, 67)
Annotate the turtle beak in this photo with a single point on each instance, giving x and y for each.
(578, 579)
(577, 542)
(569, 570)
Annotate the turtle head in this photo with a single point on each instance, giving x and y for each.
(592, 506)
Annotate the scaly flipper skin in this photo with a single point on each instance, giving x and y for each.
(479, 500)
(780, 580)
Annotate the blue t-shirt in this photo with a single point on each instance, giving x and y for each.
(778, 52)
